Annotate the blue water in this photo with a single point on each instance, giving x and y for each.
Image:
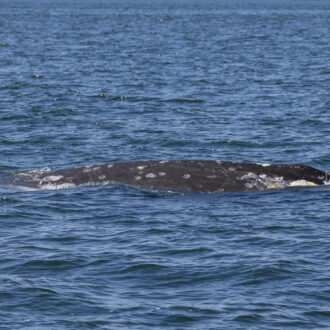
(85, 82)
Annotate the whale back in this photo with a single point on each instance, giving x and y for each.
(175, 175)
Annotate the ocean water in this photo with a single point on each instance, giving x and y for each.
(86, 82)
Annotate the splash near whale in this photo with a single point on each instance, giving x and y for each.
(207, 176)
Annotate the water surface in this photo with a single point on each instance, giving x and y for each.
(100, 81)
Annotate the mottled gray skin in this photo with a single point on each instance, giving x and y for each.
(175, 175)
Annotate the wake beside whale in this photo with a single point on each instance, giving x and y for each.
(207, 176)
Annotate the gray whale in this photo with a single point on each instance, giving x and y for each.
(208, 176)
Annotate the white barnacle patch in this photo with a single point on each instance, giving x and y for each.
(53, 178)
(231, 169)
(249, 175)
(186, 176)
(137, 178)
(163, 161)
(276, 182)
(96, 168)
(57, 186)
(298, 183)
(102, 177)
(87, 169)
(140, 168)
(212, 176)
(151, 175)
(35, 178)
(262, 181)
(161, 173)
(110, 165)
(263, 164)
(273, 186)
(250, 185)
(218, 162)
(34, 173)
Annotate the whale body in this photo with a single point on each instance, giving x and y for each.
(208, 176)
